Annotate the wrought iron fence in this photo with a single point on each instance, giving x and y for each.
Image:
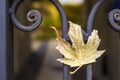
(6, 32)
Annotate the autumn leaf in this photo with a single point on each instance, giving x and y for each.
(79, 53)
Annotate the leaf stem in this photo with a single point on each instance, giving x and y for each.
(72, 72)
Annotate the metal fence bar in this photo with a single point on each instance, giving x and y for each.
(6, 43)
(64, 32)
(89, 72)
(86, 33)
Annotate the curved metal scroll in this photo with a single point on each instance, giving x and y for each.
(63, 19)
(114, 17)
(90, 21)
(32, 16)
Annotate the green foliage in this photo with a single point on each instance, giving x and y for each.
(46, 35)
(74, 13)
(51, 16)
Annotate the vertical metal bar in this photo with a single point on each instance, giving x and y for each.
(64, 32)
(64, 35)
(89, 30)
(92, 16)
(6, 51)
(89, 72)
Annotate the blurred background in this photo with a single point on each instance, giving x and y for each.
(34, 53)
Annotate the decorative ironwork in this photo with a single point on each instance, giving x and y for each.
(114, 17)
(32, 16)
(90, 20)
(35, 16)
(85, 33)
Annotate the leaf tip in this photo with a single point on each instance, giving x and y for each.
(53, 28)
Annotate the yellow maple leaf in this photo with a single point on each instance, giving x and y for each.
(79, 53)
